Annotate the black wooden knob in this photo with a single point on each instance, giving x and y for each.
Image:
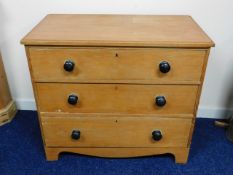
(73, 99)
(69, 65)
(160, 101)
(75, 134)
(157, 135)
(164, 67)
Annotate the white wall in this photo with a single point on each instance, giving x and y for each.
(214, 16)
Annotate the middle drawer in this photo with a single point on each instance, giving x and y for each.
(116, 98)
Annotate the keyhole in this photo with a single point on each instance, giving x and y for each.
(116, 55)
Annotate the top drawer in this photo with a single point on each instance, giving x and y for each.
(123, 65)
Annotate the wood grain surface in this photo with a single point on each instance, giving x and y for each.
(116, 98)
(118, 30)
(115, 131)
(5, 96)
(117, 64)
(180, 153)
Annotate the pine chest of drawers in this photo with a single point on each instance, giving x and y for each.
(117, 85)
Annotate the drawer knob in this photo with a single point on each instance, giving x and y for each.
(73, 99)
(69, 65)
(164, 67)
(75, 134)
(160, 101)
(157, 135)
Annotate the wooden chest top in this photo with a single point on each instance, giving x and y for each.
(118, 30)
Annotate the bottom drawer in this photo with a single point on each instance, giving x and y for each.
(115, 131)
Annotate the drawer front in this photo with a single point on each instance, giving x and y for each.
(116, 64)
(115, 132)
(116, 98)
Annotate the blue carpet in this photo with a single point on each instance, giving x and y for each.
(21, 153)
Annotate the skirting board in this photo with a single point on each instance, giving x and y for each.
(203, 112)
(26, 104)
(210, 112)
